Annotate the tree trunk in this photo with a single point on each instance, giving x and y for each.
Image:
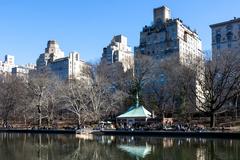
(40, 121)
(5, 122)
(236, 107)
(49, 122)
(212, 119)
(40, 117)
(25, 120)
(79, 121)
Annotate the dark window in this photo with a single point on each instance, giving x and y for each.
(115, 57)
(229, 38)
(229, 44)
(76, 57)
(229, 27)
(218, 40)
(185, 36)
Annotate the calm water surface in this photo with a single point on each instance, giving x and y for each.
(70, 147)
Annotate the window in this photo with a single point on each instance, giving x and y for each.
(229, 27)
(218, 31)
(185, 36)
(76, 57)
(115, 57)
(218, 40)
(229, 44)
(229, 38)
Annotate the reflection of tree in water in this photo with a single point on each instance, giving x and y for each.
(67, 147)
(94, 150)
(34, 146)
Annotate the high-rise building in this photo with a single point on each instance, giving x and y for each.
(70, 67)
(7, 64)
(167, 36)
(52, 51)
(118, 51)
(226, 37)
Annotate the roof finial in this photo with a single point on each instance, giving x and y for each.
(137, 100)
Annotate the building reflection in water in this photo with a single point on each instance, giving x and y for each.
(136, 151)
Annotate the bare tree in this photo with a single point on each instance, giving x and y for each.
(165, 88)
(143, 74)
(53, 93)
(12, 96)
(42, 87)
(215, 84)
(111, 83)
(74, 98)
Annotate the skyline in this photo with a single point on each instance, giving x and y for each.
(27, 26)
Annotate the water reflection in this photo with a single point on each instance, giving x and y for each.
(70, 147)
(136, 151)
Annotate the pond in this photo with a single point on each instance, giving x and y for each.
(71, 147)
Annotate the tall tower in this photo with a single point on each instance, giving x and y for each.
(9, 60)
(118, 51)
(169, 37)
(52, 52)
(161, 14)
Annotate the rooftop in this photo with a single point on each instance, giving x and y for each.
(234, 20)
(136, 112)
(162, 7)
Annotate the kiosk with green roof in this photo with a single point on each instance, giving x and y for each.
(135, 113)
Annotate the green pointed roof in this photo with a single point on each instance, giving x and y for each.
(136, 112)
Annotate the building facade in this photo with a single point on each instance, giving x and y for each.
(23, 71)
(70, 67)
(52, 52)
(226, 37)
(170, 38)
(167, 36)
(118, 52)
(7, 64)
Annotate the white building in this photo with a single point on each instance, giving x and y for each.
(167, 36)
(70, 67)
(226, 37)
(7, 64)
(118, 51)
(52, 51)
(23, 71)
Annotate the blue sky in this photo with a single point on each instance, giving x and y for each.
(88, 25)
